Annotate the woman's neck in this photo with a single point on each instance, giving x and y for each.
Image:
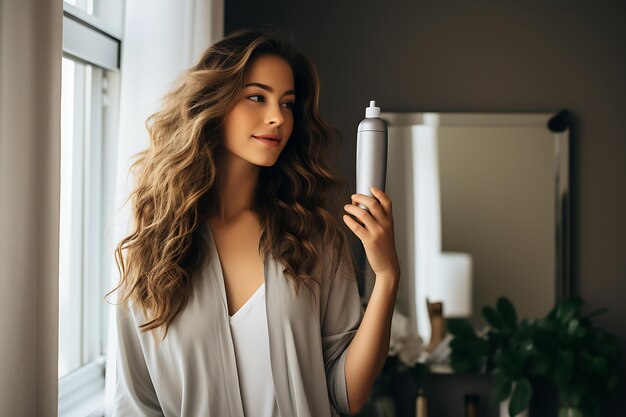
(236, 185)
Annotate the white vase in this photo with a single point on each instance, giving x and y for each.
(504, 409)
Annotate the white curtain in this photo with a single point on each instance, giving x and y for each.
(30, 153)
(161, 39)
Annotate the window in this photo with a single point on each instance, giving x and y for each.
(84, 5)
(89, 112)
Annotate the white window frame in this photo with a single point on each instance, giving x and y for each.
(96, 41)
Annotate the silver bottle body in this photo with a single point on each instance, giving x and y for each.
(371, 155)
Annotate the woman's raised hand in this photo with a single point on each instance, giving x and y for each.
(375, 229)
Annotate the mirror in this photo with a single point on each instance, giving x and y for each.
(481, 210)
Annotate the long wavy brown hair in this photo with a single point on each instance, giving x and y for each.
(297, 200)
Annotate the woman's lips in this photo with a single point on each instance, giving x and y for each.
(269, 142)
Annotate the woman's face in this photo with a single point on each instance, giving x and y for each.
(264, 109)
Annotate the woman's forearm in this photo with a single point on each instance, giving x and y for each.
(368, 350)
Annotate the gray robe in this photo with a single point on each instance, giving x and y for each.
(193, 371)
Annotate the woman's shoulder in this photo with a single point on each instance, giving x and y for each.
(128, 311)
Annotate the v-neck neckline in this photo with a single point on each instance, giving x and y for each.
(248, 304)
(273, 271)
(220, 275)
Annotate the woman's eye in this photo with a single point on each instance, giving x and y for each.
(256, 95)
(259, 99)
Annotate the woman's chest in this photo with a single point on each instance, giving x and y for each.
(241, 265)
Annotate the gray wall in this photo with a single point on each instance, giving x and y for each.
(494, 57)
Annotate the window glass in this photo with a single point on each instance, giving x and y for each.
(85, 5)
(89, 114)
(80, 269)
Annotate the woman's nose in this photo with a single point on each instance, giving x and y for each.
(274, 115)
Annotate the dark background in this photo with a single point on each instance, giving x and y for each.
(485, 56)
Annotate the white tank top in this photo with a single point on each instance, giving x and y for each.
(248, 327)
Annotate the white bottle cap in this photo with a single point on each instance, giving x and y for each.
(372, 111)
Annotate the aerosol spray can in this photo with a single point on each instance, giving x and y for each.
(371, 152)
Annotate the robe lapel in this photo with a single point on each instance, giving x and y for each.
(230, 391)
(275, 303)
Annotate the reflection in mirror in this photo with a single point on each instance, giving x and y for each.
(480, 211)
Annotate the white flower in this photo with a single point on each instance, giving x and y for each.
(404, 341)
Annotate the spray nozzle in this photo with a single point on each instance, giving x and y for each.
(372, 110)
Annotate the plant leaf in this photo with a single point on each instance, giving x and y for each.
(522, 393)
(600, 365)
(461, 328)
(502, 391)
(563, 367)
(573, 326)
(507, 312)
(540, 365)
(547, 325)
(545, 336)
(567, 308)
(460, 345)
(510, 361)
(492, 317)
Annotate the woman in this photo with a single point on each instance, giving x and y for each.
(233, 213)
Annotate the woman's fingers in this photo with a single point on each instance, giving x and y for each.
(379, 206)
(385, 201)
(358, 230)
(362, 215)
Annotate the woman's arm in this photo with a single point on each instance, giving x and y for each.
(134, 392)
(368, 349)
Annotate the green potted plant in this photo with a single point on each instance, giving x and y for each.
(565, 347)
(503, 350)
(578, 357)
